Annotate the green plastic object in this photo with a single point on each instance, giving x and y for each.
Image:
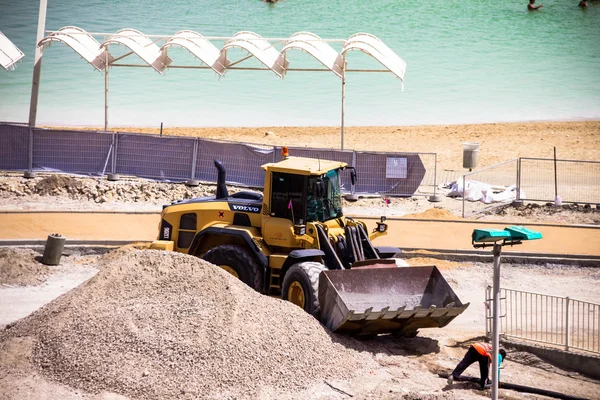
(490, 235)
(522, 233)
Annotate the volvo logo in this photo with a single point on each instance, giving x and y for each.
(245, 208)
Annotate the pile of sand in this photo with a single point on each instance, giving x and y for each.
(53, 184)
(432, 213)
(19, 267)
(163, 325)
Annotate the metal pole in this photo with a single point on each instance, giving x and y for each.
(37, 66)
(567, 324)
(106, 92)
(496, 325)
(35, 85)
(343, 99)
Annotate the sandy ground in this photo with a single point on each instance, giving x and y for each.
(403, 369)
(499, 142)
(406, 367)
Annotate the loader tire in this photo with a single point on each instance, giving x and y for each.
(238, 261)
(301, 286)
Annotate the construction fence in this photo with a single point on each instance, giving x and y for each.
(559, 321)
(173, 158)
(538, 179)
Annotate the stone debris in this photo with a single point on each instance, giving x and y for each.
(19, 267)
(158, 325)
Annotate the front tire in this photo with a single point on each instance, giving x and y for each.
(301, 286)
(239, 262)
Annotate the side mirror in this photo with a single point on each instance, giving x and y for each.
(353, 176)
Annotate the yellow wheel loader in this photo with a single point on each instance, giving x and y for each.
(294, 242)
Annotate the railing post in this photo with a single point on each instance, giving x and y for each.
(463, 196)
(567, 324)
(518, 180)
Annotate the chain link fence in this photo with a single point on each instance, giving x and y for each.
(182, 158)
(554, 320)
(567, 181)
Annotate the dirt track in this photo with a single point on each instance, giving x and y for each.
(404, 233)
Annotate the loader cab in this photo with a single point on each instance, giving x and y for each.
(299, 191)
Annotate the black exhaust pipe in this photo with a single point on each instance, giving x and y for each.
(221, 187)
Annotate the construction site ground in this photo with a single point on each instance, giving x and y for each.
(155, 325)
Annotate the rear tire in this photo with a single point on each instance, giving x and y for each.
(241, 261)
(301, 286)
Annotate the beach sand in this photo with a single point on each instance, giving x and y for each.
(498, 141)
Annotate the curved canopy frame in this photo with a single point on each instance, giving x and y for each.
(82, 43)
(9, 53)
(201, 48)
(263, 49)
(318, 48)
(259, 48)
(141, 45)
(374, 47)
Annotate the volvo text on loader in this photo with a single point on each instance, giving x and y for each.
(293, 241)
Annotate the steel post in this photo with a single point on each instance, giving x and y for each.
(37, 66)
(567, 323)
(343, 100)
(106, 91)
(496, 325)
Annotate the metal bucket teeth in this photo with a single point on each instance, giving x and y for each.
(386, 300)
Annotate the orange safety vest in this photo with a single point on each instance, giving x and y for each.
(484, 349)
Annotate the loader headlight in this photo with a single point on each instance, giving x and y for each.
(300, 230)
(381, 227)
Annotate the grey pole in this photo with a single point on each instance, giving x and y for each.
(35, 85)
(37, 66)
(496, 323)
(343, 98)
(106, 92)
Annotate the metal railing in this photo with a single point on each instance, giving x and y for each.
(502, 175)
(542, 318)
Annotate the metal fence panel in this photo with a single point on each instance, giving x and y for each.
(13, 146)
(158, 157)
(241, 161)
(499, 177)
(573, 181)
(327, 154)
(395, 174)
(559, 321)
(70, 151)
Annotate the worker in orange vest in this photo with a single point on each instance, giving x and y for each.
(482, 353)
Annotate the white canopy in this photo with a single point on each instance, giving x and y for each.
(141, 45)
(201, 48)
(82, 43)
(318, 48)
(259, 48)
(9, 53)
(374, 47)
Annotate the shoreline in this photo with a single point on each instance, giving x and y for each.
(499, 142)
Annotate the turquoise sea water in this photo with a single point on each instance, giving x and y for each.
(468, 62)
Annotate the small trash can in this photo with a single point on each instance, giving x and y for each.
(54, 248)
(470, 155)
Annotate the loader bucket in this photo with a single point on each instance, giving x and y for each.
(377, 300)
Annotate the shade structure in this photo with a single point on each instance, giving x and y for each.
(82, 43)
(9, 53)
(374, 47)
(201, 48)
(261, 49)
(142, 46)
(318, 48)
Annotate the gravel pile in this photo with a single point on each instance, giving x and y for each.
(157, 325)
(92, 190)
(19, 267)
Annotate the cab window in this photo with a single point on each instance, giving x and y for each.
(287, 197)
